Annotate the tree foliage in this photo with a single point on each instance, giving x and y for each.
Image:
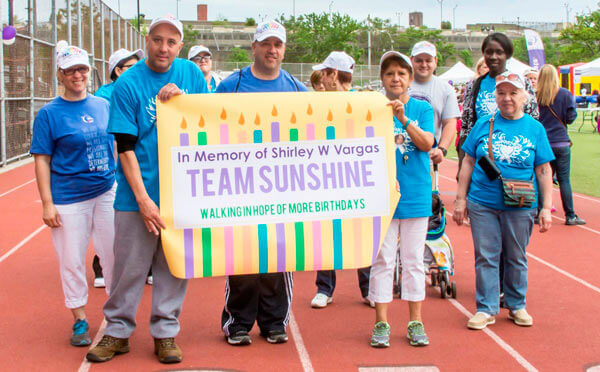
(446, 25)
(238, 55)
(582, 40)
(466, 57)
(250, 21)
(190, 37)
(551, 50)
(445, 50)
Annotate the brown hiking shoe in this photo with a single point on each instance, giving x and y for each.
(167, 350)
(107, 348)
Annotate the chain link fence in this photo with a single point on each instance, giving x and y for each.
(28, 67)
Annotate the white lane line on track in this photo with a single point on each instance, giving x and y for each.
(558, 218)
(302, 353)
(85, 364)
(22, 243)
(568, 275)
(506, 347)
(16, 188)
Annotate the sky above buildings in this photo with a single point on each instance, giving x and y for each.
(466, 11)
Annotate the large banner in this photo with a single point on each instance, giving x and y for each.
(535, 48)
(273, 182)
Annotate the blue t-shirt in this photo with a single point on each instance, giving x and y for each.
(74, 134)
(133, 111)
(105, 91)
(412, 164)
(285, 82)
(518, 147)
(485, 103)
(213, 85)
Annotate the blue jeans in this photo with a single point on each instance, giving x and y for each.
(495, 232)
(562, 167)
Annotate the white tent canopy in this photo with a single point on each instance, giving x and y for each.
(458, 74)
(514, 65)
(589, 69)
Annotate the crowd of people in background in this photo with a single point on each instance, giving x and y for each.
(87, 194)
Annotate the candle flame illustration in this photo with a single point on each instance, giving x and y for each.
(369, 116)
(223, 114)
(183, 124)
(241, 121)
(349, 108)
(274, 111)
(309, 109)
(330, 116)
(201, 122)
(257, 120)
(293, 119)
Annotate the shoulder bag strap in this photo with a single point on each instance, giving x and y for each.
(556, 116)
(490, 153)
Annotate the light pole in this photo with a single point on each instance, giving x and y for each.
(399, 14)
(294, 8)
(454, 16)
(441, 16)
(330, 5)
(138, 15)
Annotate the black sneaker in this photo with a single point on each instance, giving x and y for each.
(239, 338)
(277, 337)
(575, 220)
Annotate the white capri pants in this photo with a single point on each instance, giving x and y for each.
(412, 233)
(93, 218)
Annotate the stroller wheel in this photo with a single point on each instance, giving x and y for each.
(433, 278)
(443, 289)
(453, 289)
(447, 277)
(449, 289)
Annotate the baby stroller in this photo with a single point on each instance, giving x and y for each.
(438, 257)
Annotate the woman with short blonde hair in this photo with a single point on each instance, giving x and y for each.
(557, 110)
(481, 68)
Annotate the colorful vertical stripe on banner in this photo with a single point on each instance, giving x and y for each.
(188, 234)
(338, 255)
(298, 226)
(279, 227)
(370, 132)
(206, 237)
(316, 225)
(228, 230)
(263, 241)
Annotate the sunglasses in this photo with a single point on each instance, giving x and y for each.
(509, 77)
(82, 70)
(200, 59)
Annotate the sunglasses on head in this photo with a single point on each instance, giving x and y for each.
(509, 77)
(70, 71)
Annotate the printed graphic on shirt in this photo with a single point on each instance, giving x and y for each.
(87, 119)
(97, 149)
(151, 107)
(403, 141)
(486, 103)
(513, 151)
(420, 96)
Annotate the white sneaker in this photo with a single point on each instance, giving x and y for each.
(368, 301)
(149, 280)
(99, 283)
(320, 301)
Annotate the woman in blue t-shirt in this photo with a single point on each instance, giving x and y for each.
(521, 151)
(413, 130)
(75, 172)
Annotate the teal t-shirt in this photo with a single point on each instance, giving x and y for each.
(485, 103)
(518, 147)
(105, 91)
(133, 111)
(412, 164)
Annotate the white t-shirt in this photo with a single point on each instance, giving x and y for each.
(442, 98)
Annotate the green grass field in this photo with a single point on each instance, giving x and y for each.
(585, 158)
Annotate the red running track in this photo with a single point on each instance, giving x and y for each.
(563, 298)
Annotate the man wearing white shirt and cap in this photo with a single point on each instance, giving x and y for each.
(137, 244)
(436, 92)
(202, 57)
(119, 62)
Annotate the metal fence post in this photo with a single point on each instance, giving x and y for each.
(118, 32)
(79, 38)
(2, 114)
(54, 41)
(69, 24)
(103, 54)
(31, 64)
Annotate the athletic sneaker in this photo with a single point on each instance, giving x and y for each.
(107, 348)
(368, 301)
(320, 301)
(521, 317)
(81, 333)
(239, 338)
(381, 335)
(480, 320)
(575, 220)
(99, 282)
(167, 351)
(277, 337)
(416, 334)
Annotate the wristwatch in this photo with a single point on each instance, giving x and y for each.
(443, 150)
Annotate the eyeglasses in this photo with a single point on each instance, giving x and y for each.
(509, 77)
(82, 70)
(125, 67)
(200, 59)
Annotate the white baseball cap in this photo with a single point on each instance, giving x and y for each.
(197, 49)
(69, 56)
(267, 29)
(424, 47)
(167, 19)
(393, 53)
(120, 55)
(511, 78)
(337, 60)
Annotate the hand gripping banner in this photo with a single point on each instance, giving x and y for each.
(273, 182)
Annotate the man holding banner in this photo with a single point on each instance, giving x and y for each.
(137, 219)
(264, 298)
